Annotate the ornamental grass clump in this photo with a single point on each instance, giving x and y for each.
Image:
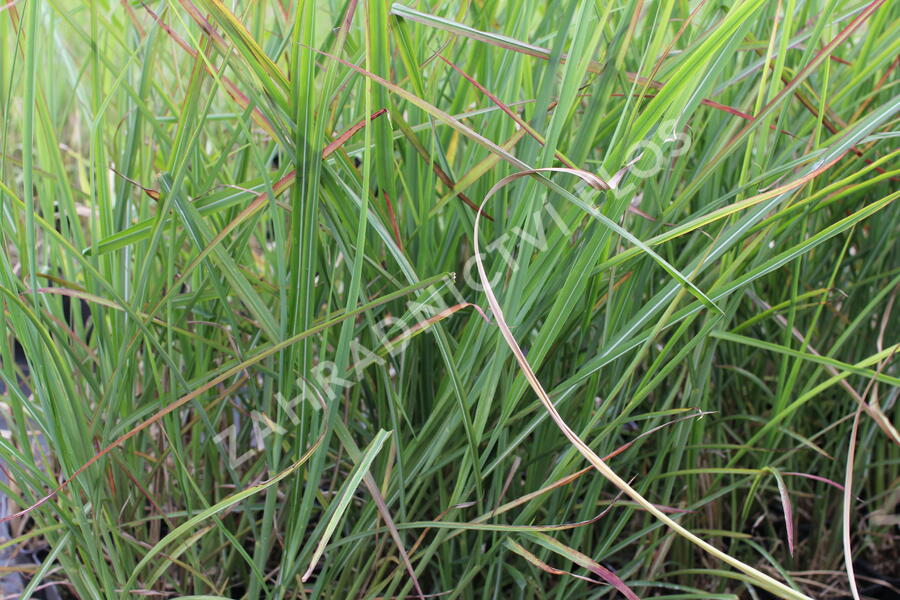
(493, 299)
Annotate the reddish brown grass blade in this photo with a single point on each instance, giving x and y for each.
(230, 87)
(820, 56)
(586, 562)
(506, 109)
(342, 139)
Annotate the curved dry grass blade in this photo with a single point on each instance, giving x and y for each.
(785, 506)
(754, 574)
(589, 178)
(563, 481)
(846, 506)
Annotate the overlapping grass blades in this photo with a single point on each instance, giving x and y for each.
(249, 349)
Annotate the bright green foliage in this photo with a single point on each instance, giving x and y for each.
(243, 319)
